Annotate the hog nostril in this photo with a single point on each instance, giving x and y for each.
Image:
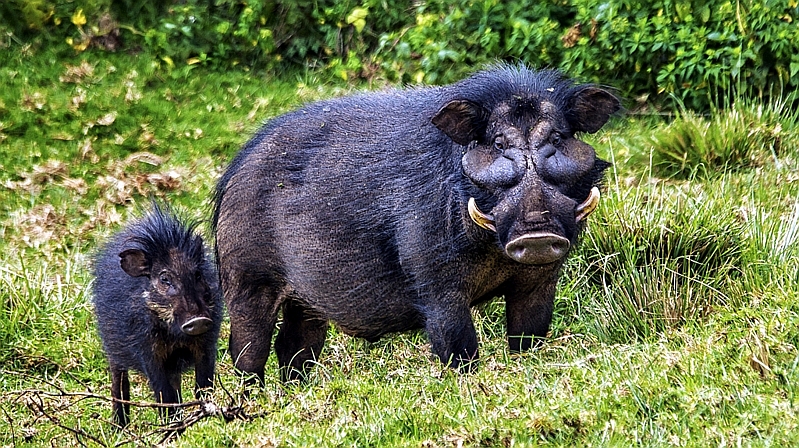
(538, 248)
(197, 326)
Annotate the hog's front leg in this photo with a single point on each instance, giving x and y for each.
(452, 335)
(528, 312)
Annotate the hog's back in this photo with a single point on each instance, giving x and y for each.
(344, 206)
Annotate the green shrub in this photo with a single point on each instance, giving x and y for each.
(228, 34)
(667, 51)
(661, 50)
(687, 49)
(264, 34)
(449, 39)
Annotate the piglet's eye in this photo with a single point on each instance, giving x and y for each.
(164, 279)
(499, 143)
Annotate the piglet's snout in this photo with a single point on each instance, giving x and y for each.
(197, 326)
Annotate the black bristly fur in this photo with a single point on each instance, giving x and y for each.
(354, 211)
(140, 317)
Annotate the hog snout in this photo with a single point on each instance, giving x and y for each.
(197, 326)
(538, 248)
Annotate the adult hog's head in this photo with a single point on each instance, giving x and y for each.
(536, 181)
(182, 286)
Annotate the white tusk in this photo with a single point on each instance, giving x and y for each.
(480, 218)
(588, 206)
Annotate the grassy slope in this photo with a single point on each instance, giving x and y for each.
(707, 358)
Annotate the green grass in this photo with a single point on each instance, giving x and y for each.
(746, 134)
(676, 322)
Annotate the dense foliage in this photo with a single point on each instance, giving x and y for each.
(688, 50)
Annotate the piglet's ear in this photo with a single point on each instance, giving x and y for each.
(134, 262)
(462, 120)
(590, 108)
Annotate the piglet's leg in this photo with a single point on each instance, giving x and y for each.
(120, 390)
(204, 371)
(166, 387)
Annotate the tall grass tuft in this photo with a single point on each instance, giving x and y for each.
(657, 257)
(44, 312)
(746, 134)
(774, 235)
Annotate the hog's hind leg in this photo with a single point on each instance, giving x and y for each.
(299, 341)
(253, 315)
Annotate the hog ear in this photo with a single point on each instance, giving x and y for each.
(134, 262)
(462, 120)
(590, 108)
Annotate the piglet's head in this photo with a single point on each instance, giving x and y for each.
(181, 284)
(537, 181)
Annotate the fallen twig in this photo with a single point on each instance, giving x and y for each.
(38, 407)
(38, 402)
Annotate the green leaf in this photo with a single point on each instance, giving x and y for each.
(357, 18)
(705, 13)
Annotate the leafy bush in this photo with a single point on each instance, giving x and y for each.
(669, 51)
(448, 39)
(687, 49)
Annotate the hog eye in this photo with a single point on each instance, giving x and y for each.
(164, 279)
(555, 139)
(499, 143)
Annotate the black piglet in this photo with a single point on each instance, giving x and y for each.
(158, 307)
